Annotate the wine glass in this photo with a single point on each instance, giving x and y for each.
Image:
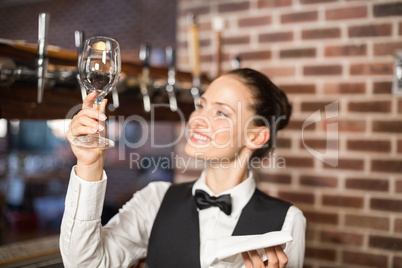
(99, 67)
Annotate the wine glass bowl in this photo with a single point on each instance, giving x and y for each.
(99, 67)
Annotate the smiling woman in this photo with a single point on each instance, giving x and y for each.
(173, 225)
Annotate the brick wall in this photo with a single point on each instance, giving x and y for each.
(130, 22)
(319, 52)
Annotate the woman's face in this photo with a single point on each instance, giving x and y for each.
(218, 127)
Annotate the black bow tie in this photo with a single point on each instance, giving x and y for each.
(204, 200)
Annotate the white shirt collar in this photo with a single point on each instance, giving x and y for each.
(240, 194)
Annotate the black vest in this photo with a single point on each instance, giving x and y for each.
(175, 239)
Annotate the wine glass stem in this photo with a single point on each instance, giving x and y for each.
(97, 105)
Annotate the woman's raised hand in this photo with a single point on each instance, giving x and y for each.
(276, 258)
(88, 121)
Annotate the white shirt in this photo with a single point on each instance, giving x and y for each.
(124, 239)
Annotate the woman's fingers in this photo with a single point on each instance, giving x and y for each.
(276, 257)
(86, 122)
(89, 100)
(282, 257)
(252, 259)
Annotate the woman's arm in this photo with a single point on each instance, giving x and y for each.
(122, 241)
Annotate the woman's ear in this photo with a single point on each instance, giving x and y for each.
(257, 137)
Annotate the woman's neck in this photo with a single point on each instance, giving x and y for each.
(222, 179)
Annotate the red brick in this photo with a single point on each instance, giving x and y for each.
(205, 27)
(398, 186)
(346, 13)
(301, 162)
(400, 28)
(383, 242)
(398, 225)
(348, 50)
(351, 125)
(207, 58)
(369, 146)
(382, 48)
(275, 37)
(345, 88)
(342, 201)
(201, 10)
(316, 144)
(256, 55)
(321, 217)
(370, 30)
(400, 106)
(308, 2)
(297, 53)
(322, 70)
(276, 178)
(397, 262)
(383, 204)
(237, 40)
(283, 143)
(349, 164)
(279, 71)
(313, 106)
(372, 69)
(341, 238)
(298, 88)
(392, 166)
(234, 6)
(295, 124)
(370, 222)
(389, 9)
(320, 254)
(274, 3)
(365, 259)
(298, 17)
(393, 126)
(306, 198)
(382, 87)
(205, 42)
(255, 21)
(321, 33)
(367, 184)
(318, 181)
(370, 106)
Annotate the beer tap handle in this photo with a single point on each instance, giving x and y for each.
(194, 56)
(171, 61)
(42, 61)
(79, 45)
(145, 52)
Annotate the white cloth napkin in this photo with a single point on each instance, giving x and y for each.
(226, 252)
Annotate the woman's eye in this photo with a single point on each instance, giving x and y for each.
(198, 106)
(220, 113)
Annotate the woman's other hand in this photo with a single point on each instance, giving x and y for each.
(89, 161)
(276, 258)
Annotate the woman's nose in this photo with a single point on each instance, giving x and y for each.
(199, 119)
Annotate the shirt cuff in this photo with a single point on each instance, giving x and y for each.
(84, 198)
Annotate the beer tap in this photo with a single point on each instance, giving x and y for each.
(145, 52)
(79, 44)
(194, 56)
(42, 60)
(171, 81)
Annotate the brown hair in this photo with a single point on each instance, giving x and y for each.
(270, 105)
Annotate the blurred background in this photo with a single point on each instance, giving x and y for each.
(336, 59)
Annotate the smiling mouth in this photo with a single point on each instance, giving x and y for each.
(198, 137)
